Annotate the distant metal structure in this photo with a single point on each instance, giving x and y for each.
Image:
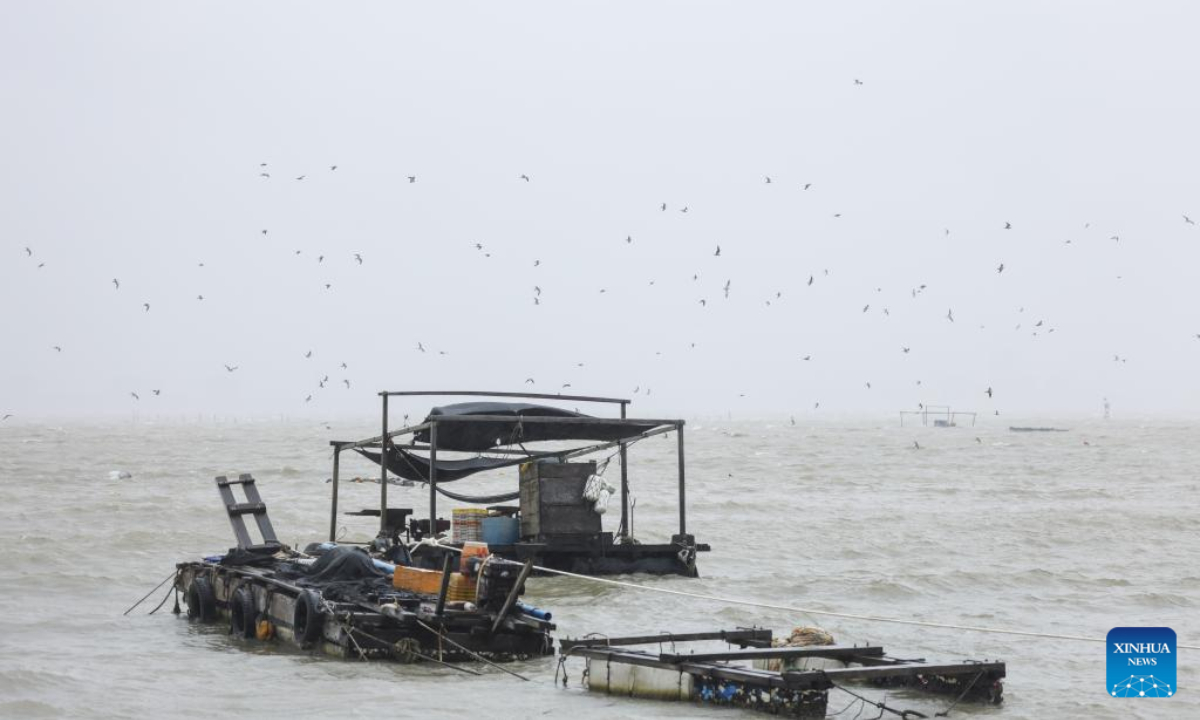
(942, 415)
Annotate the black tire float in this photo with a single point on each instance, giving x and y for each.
(242, 613)
(307, 618)
(201, 600)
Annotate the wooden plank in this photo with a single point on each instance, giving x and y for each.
(733, 636)
(805, 678)
(837, 652)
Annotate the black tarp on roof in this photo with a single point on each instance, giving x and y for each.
(523, 428)
(416, 467)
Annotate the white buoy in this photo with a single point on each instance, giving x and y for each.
(118, 475)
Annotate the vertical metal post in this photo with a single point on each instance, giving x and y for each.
(682, 493)
(433, 479)
(625, 529)
(337, 455)
(447, 559)
(383, 457)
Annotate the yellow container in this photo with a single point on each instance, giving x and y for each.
(462, 588)
(468, 524)
(426, 582)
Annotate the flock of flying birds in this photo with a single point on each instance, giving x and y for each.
(357, 258)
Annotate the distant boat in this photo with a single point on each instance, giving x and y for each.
(1036, 429)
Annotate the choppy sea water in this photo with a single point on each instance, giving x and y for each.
(1030, 531)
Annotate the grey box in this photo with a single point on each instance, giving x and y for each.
(552, 502)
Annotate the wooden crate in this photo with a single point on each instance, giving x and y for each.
(552, 502)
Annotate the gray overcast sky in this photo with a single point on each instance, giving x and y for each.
(133, 135)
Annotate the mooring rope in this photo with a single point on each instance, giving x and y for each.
(813, 611)
(156, 587)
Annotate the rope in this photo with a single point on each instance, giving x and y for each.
(828, 613)
(156, 587)
(477, 656)
(970, 685)
(163, 601)
(904, 714)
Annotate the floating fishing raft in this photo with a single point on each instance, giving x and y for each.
(347, 602)
(789, 679)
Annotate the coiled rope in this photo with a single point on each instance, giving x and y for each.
(812, 611)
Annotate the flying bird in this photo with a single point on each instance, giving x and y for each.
(6, 416)
(156, 392)
(264, 232)
(529, 380)
(231, 368)
(664, 207)
(905, 350)
(806, 358)
(347, 384)
(301, 177)
(199, 297)
(412, 179)
(989, 392)
(1186, 219)
(768, 177)
(810, 279)
(147, 306)
(628, 239)
(308, 399)
(358, 257)
(866, 307)
(718, 252)
(807, 185)
(28, 252)
(134, 396)
(1000, 269)
(857, 81)
(420, 347)
(525, 178)
(116, 284)
(266, 175)
(1008, 226)
(950, 315)
(684, 209)
(727, 288)
(308, 354)
(59, 348)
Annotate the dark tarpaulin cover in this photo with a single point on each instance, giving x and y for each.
(524, 428)
(415, 467)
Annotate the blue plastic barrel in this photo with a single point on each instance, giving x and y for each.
(501, 530)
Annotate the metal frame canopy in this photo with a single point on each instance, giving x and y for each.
(385, 440)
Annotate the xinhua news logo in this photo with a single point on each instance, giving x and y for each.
(1141, 662)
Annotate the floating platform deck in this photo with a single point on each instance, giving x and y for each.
(793, 681)
(347, 602)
